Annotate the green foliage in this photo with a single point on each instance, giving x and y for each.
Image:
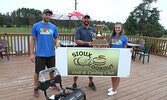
(105, 28)
(164, 37)
(144, 20)
(130, 25)
(20, 17)
(165, 32)
(26, 17)
(157, 34)
(1, 20)
(148, 43)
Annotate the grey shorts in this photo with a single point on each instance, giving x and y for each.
(41, 62)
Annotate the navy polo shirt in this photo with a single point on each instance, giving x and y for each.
(84, 34)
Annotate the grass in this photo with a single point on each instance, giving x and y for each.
(28, 30)
(15, 30)
(164, 36)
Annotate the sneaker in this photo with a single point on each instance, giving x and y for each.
(74, 85)
(112, 93)
(110, 89)
(56, 88)
(92, 86)
(36, 92)
(52, 97)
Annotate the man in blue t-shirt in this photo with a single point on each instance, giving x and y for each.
(43, 32)
(83, 38)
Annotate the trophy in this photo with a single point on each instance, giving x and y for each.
(99, 27)
(99, 39)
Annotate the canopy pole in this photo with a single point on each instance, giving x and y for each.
(69, 28)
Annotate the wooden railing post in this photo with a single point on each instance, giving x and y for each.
(28, 45)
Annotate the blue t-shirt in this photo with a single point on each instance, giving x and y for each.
(84, 34)
(115, 43)
(44, 34)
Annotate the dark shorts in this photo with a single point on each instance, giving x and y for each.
(41, 62)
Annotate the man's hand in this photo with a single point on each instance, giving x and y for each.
(32, 58)
(90, 44)
(57, 45)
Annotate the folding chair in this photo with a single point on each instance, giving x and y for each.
(4, 47)
(143, 52)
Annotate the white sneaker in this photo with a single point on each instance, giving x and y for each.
(52, 97)
(110, 89)
(112, 93)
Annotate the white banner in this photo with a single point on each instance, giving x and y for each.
(103, 62)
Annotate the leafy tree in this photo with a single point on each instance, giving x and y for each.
(145, 20)
(13, 18)
(105, 28)
(31, 19)
(130, 25)
(1, 20)
(149, 1)
(165, 32)
(24, 17)
(8, 20)
(110, 26)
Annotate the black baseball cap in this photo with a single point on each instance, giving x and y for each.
(47, 10)
(84, 16)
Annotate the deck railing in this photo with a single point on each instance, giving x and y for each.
(19, 44)
(159, 46)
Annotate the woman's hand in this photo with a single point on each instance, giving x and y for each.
(131, 50)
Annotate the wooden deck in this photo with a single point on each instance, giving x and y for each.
(147, 81)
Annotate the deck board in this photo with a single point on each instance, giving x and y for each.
(146, 82)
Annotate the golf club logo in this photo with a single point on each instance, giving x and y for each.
(81, 61)
(99, 61)
(83, 58)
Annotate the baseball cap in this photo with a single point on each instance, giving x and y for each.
(47, 10)
(84, 16)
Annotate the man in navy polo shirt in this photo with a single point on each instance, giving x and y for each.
(83, 38)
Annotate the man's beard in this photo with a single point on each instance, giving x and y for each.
(86, 24)
(45, 20)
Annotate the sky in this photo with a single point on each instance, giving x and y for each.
(103, 10)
